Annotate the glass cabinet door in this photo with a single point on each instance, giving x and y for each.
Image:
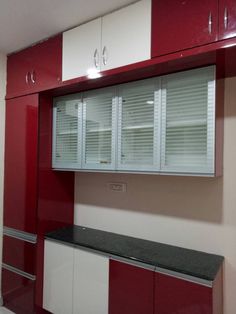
(138, 126)
(188, 122)
(99, 111)
(67, 126)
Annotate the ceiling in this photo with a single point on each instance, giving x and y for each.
(23, 22)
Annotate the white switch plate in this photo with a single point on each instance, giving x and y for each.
(117, 187)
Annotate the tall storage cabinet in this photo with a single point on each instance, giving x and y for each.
(36, 200)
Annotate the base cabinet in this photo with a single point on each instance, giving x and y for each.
(130, 289)
(90, 288)
(176, 295)
(58, 278)
(81, 282)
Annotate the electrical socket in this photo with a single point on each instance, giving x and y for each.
(117, 187)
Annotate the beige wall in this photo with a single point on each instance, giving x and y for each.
(197, 213)
(2, 129)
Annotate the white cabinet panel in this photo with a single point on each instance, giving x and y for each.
(126, 35)
(58, 278)
(81, 49)
(91, 281)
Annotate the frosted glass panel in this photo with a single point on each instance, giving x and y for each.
(66, 139)
(98, 114)
(137, 126)
(188, 121)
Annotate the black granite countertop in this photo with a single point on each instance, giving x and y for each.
(185, 261)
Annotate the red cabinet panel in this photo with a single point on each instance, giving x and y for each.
(35, 69)
(17, 292)
(174, 295)
(21, 158)
(19, 254)
(182, 24)
(130, 289)
(227, 19)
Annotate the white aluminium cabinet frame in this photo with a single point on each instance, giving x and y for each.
(159, 165)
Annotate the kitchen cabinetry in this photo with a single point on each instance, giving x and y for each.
(35, 69)
(177, 295)
(178, 25)
(91, 277)
(164, 124)
(108, 42)
(75, 281)
(130, 289)
(100, 284)
(227, 19)
(58, 278)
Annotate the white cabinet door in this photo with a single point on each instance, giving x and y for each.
(81, 50)
(58, 278)
(126, 35)
(91, 278)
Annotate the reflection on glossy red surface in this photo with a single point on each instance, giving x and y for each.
(130, 289)
(227, 19)
(173, 295)
(18, 293)
(21, 160)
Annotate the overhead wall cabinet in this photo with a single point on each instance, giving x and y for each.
(35, 69)
(108, 42)
(201, 22)
(173, 18)
(164, 124)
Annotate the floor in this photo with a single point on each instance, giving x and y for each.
(3, 310)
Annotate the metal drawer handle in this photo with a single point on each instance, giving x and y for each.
(226, 18)
(210, 23)
(104, 55)
(96, 58)
(33, 77)
(27, 78)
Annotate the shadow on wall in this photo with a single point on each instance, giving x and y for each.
(194, 198)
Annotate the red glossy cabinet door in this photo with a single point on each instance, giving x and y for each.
(227, 19)
(182, 24)
(35, 69)
(18, 292)
(130, 289)
(174, 295)
(21, 158)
